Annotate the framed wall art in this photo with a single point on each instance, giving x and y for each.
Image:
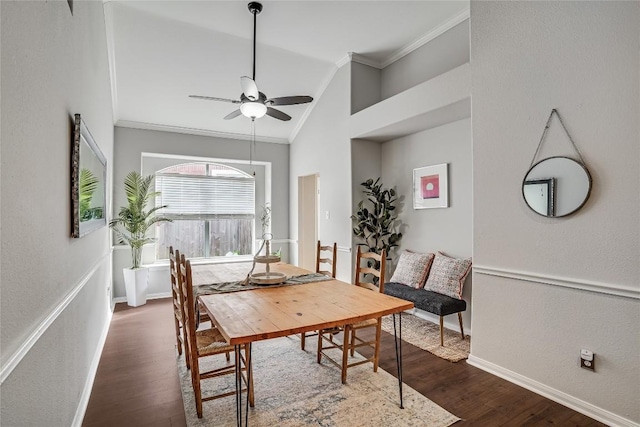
(88, 182)
(431, 187)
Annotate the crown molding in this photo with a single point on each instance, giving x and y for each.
(195, 131)
(361, 59)
(404, 51)
(344, 60)
(444, 27)
(111, 55)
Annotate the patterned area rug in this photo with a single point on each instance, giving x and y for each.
(292, 390)
(426, 335)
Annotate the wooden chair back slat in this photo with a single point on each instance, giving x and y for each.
(177, 306)
(188, 308)
(351, 340)
(326, 259)
(371, 259)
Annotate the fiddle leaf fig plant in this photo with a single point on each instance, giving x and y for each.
(375, 220)
(133, 219)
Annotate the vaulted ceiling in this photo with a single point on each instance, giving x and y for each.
(161, 52)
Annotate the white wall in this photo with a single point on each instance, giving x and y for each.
(443, 229)
(53, 66)
(365, 86)
(322, 146)
(582, 58)
(131, 143)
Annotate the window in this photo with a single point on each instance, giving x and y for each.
(212, 207)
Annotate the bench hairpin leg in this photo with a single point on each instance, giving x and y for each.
(398, 352)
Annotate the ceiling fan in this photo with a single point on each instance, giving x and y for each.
(253, 103)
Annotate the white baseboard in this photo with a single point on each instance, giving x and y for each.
(150, 296)
(560, 397)
(91, 377)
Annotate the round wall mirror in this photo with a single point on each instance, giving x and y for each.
(556, 187)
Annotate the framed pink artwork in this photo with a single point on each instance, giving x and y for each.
(430, 187)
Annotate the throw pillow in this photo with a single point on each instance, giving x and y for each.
(447, 275)
(412, 269)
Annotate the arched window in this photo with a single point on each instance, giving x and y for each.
(212, 207)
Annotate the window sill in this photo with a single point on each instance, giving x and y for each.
(164, 264)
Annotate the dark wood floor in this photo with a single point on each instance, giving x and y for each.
(137, 381)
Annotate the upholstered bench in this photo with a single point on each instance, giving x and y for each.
(433, 302)
(433, 282)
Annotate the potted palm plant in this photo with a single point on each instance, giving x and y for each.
(131, 226)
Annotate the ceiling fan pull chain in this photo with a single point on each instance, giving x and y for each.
(252, 147)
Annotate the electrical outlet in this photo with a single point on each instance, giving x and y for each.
(587, 359)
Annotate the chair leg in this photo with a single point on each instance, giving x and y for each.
(461, 328)
(320, 335)
(345, 351)
(177, 324)
(195, 377)
(441, 332)
(303, 337)
(187, 353)
(376, 354)
(352, 343)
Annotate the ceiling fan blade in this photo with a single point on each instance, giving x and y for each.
(249, 88)
(289, 100)
(213, 98)
(233, 114)
(277, 114)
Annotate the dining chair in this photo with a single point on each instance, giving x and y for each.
(177, 310)
(374, 270)
(330, 259)
(174, 259)
(207, 342)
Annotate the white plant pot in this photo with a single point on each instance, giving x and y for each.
(136, 284)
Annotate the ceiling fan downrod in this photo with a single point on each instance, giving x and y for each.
(255, 8)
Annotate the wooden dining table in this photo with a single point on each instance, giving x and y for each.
(277, 311)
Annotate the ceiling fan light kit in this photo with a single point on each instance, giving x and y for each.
(253, 103)
(253, 109)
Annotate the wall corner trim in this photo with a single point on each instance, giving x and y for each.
(15, 359)
(565, 282)
(558, 396)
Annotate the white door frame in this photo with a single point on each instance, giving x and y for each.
(307, 220)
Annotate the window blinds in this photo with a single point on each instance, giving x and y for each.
(205, 195)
